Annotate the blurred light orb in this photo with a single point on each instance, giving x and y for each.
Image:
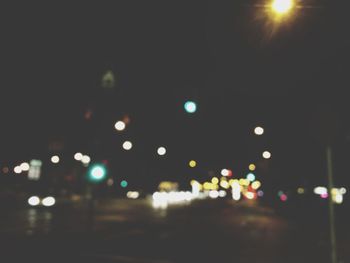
(190, 107)
(161, 151)
(282, 7)
(120, 126)
(25, 167)
(86, 159)
(259, 131)
(98, 172)
(55, 159)
(266, 155)
(78, 156)
(127, 145)
(215, 180)
(225, 172)
(33, 201)
(48, 201)
(124, 183)
(251, 177)
(17, 169)
(252, 167)
(301, 190)
(192, 163)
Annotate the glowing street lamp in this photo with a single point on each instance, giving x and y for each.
(266, 155)
(161, 151)
(259, 131)
(190, 107)
(120, 126)
(97, 173)
(192, 163)
(282, 7)
(127, 145)
(55, 159)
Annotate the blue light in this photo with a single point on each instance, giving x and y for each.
(251, 177)
(97, 173)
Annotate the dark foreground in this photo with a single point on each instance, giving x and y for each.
(134, 231)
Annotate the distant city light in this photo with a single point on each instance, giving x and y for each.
(251, 177)
(252, 167)
(282, 7)
(110, 182)
(301, 190)
(224, 184)
(215, 180)
(192, 163)
(256, 185)
(259, 131)
(33, 201)
(249, 195)
(260, 193)
(127, 145)
(17, 169)
(86, 159)
(225, 172)
(48, 201)
(132, 194)
(222, 193)
(55, 159)
(320, 190)
(5, 170)
(190, 107)
(25, 167)
(284, 197)
(120, 125)
(97, 173)
(213, 194)
(78, 156)
(161, 151)
(266, 155)
(124, 183)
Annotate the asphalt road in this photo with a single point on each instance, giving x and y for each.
(133, 231)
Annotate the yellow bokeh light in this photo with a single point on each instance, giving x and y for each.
(282, 6)
(192, 163)
(224, 184)
(252, 167)
(301, 190)
(256, 185)
(215, 180)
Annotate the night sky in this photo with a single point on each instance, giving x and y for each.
(242, 71)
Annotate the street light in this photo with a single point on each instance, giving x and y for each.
(55, 159)
(282, 7)
(127, 145)
(78, 156)
(266, 155)
(161, 151)
(192, 163)
(120, 125)
(259, 131)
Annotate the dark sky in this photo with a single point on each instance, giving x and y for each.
(241, 69)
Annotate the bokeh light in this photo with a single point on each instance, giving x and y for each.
(127, 145)
(161, 151)
(192, 163)
(33, 201)
(120, 126)
(259, 131)
(17, 169)
(282, 7)
(252, 167)
(190, 107)
(55, 159)
(48, 201)
(78, 156)
(124, 183)
(266, 155)
(25, 166)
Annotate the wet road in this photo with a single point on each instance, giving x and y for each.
(134, 231)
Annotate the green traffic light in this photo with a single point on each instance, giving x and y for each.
(190, 107)
(97, 173)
